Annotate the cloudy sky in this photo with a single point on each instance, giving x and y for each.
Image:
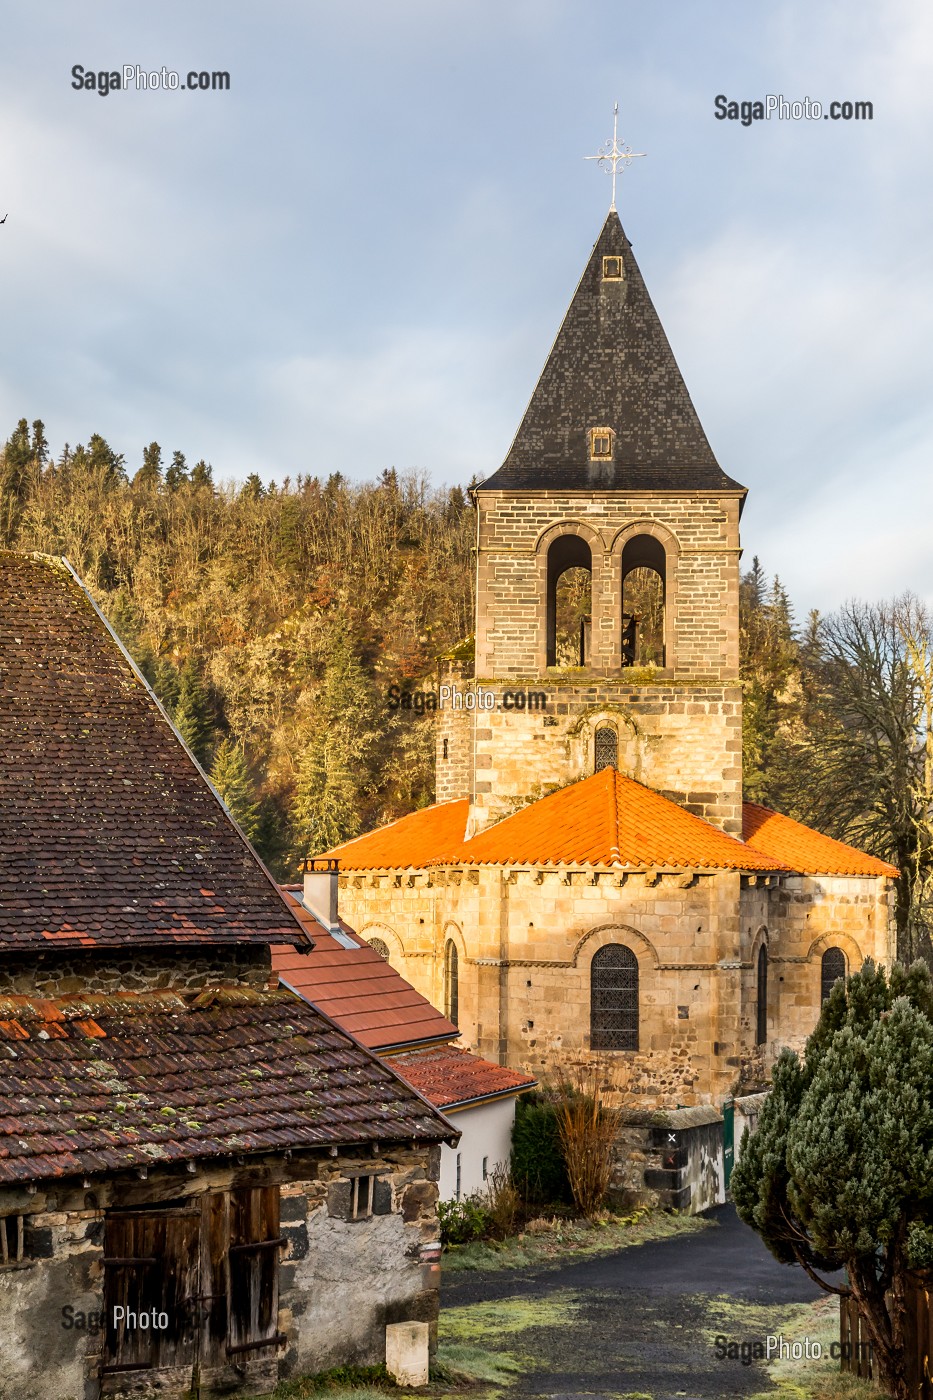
(357, 257)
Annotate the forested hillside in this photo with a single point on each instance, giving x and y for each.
(271, 621)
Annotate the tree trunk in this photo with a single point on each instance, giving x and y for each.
(885, 1328)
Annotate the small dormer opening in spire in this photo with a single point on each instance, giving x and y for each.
(601, 440)
(569, 602)
(644, 567)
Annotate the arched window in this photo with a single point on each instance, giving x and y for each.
(378, 946)
(614, 999)
(451, 982)
(569, 601)
(644, 569)
(605, 748)
(761, 1028)
(832, 967)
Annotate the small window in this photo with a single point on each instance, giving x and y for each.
(458, 1176)
(378, 946)
(361, 1200)
(12, 1239)
(612, 268)
(614, 999)
(832, 967)
(601, 444)
(445, 746)
(761, 1027)
(606, 748)
(451, 982)
(485, 1168)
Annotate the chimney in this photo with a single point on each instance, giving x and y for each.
(320, 891)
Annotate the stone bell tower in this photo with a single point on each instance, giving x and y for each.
(607, 618)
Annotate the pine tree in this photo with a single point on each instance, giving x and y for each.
(194, 717)
(335, 769)
(150, 473)
(176, 474)
(201, 475)
(840, 1169)
(231, 777)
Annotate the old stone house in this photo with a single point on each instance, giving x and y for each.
(590, 878)
(354, 982)
(205, 1184)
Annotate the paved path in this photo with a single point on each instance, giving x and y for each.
(646, 1317)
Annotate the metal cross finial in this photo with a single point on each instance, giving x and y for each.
(614, 157)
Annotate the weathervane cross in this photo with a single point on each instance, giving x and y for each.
(614, 157)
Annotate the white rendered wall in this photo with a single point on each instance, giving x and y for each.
(487, 1133)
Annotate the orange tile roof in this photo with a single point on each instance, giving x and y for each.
(415, 840)
(804, 850)
(357, 988)
(606, 819)
(452, 1078)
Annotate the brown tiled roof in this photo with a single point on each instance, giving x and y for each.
(110, 833)
(358, 989)
(453, 1078)
(93, 1084)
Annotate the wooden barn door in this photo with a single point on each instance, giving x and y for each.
(210, 1270)
(254, 1271)
(151, 1273)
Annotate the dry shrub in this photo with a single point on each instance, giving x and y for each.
(588, 1122)
(503, 1203)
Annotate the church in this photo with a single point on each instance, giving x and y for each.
(589, 880)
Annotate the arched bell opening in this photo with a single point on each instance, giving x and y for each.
(569, 602)
(644, 589)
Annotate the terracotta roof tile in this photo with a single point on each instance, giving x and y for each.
(358, 989)
(419, 839)
(450, 1077)
(606, 819)
(111, 834)
(804, 850)
(164, 1077)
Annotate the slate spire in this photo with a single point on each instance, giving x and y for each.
(611, 366)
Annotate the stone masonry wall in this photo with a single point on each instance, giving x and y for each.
(340, 1280)
(683, 741)
(701, 539)
(527, 936)
(108, 971)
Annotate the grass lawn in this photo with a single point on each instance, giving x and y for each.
(555, 1240)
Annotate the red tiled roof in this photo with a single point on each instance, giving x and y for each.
(102, 1083)
(110, 834)
(358, 989)
(606, 819)
(451, 1078)
(804, 850)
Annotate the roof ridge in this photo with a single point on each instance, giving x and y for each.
(614, 851)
